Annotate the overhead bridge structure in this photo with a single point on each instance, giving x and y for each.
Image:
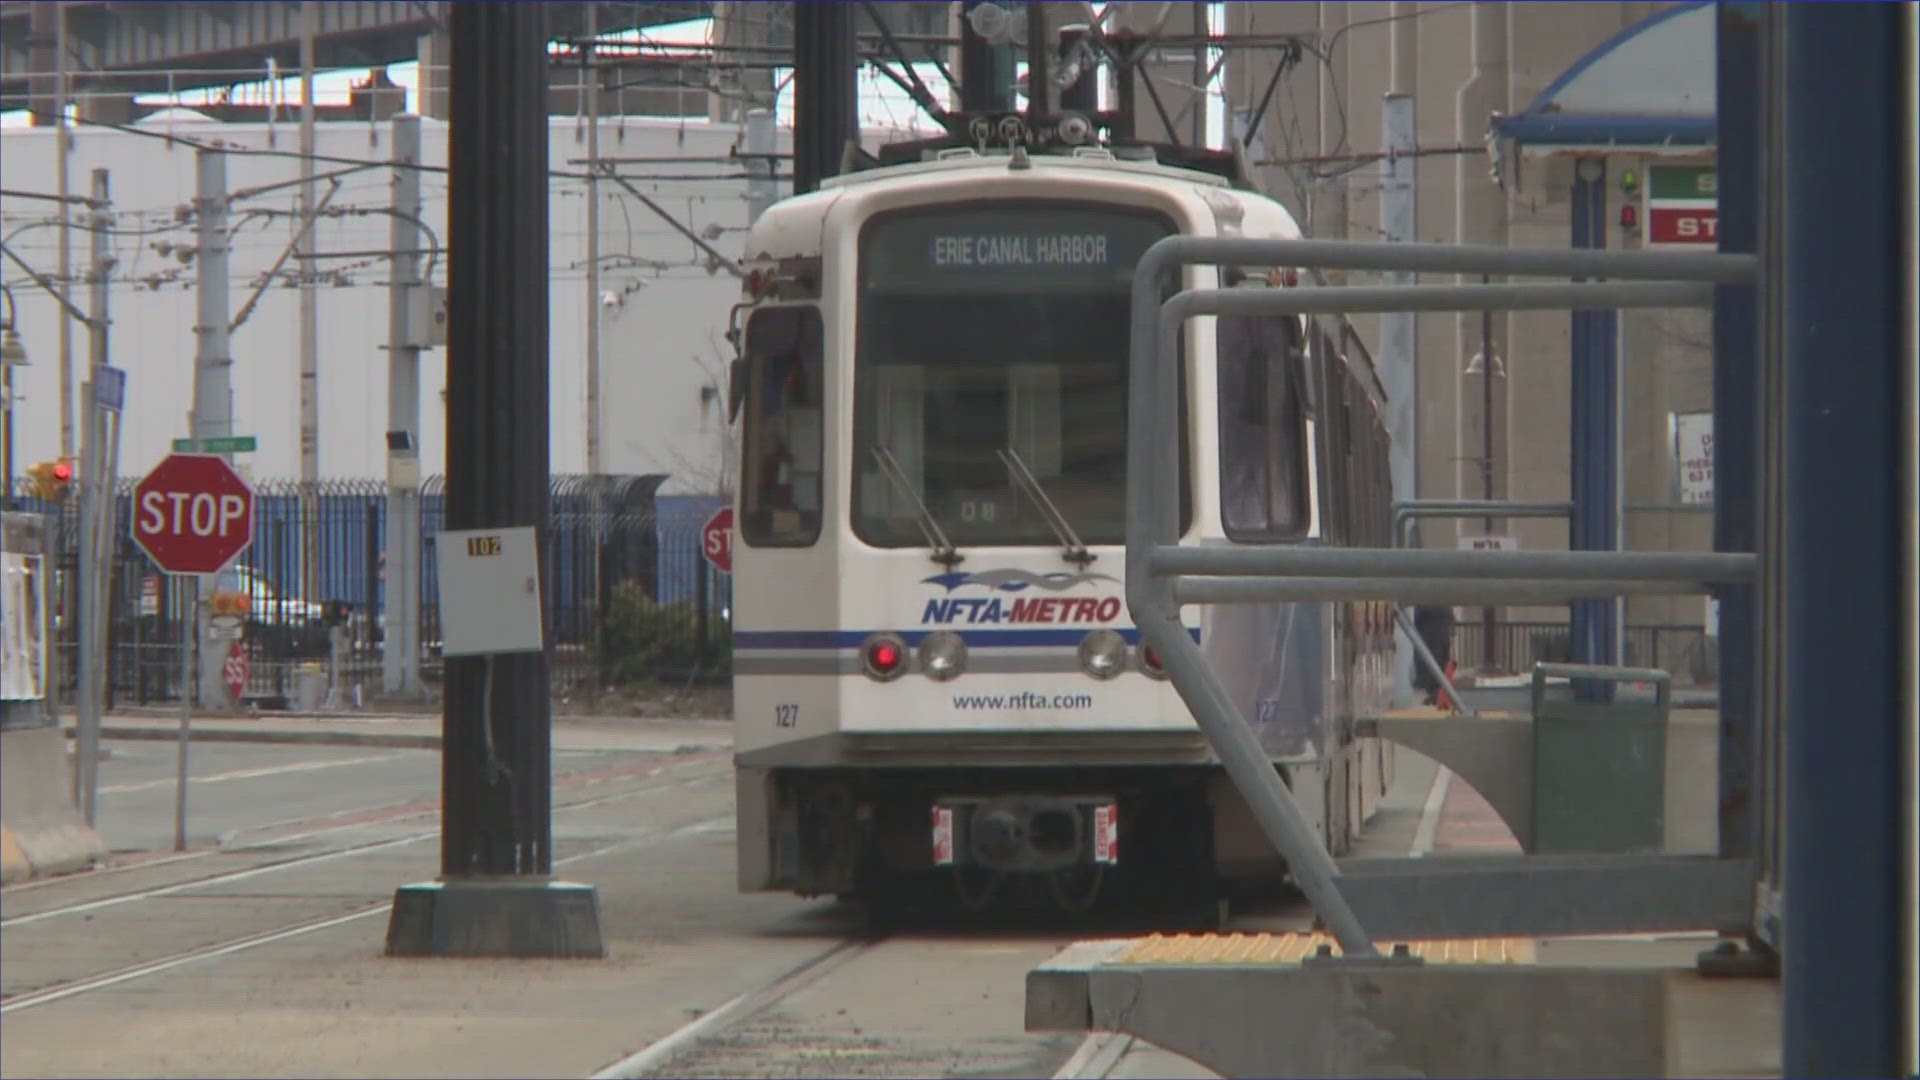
(121, 49)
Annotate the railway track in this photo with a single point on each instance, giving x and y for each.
(662, 780)
(651, 1059)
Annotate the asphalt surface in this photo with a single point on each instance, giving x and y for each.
(303, 826)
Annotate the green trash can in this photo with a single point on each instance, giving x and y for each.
(1600, 767)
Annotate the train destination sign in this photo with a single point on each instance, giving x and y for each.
(1016, 249)
(1007, 248)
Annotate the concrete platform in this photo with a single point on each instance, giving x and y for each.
(1494, 752)
(1269, 1005)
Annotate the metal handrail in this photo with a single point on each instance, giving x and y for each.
(1153, 561)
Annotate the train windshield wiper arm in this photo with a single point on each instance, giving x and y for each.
(944, 552)
(1076, 552)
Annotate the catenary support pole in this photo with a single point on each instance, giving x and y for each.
(63, 158)
(213, 361)
(762, 189)
(1845, 276)
(1592, 424)
(825, 94)
(1735, 409)
(590, 92)
(1398, 360)
(495, 896)
(309, 319)
(400, 649)
(97, 509)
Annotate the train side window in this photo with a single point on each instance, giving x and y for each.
(1336, 440)
(782, 441)
(1263, 458)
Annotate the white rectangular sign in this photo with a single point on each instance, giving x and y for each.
(489, 592)
(1693, 456)
(23, 653)
(1489, 543)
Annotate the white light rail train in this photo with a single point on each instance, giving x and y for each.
(938, 693)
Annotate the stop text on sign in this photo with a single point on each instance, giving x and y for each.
(191, 513)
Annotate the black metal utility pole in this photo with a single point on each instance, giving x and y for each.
(986, 69)
(825, 94)
(495, 897)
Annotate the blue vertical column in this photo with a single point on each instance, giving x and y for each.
(1845, 215)
(1736, 454)
(1591, 397)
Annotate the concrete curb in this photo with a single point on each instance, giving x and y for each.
(393, 739)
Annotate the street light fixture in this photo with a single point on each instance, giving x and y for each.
(12, 352)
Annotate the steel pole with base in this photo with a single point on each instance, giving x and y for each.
(189, 641)
(495, 895)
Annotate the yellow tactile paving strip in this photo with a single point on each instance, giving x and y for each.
(1293, 946)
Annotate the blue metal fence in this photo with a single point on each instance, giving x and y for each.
(607, 534)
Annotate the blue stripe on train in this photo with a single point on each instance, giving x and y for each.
(979, 639)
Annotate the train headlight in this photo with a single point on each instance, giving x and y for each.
(884, 656)
(1103, 654)
(943, 655)
(1150, 662)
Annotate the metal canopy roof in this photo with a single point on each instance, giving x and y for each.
(1649, 86)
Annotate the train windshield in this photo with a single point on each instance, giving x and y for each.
(989, 330)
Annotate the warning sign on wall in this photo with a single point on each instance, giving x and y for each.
(1693, 456)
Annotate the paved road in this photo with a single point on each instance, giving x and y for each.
(299, 910)
(241, 788)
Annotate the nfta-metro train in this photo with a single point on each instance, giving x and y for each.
(938, 691)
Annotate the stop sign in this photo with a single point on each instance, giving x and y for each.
(193, 514)
(716, 540)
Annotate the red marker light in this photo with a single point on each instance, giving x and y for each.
(884, 656)
(1150, 662)
(63, 471)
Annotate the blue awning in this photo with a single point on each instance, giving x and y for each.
(1649, 86)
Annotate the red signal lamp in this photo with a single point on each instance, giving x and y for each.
(885, 657)
(1629, 216)
(1150, 662)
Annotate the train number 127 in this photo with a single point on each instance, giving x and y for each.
(786, 715)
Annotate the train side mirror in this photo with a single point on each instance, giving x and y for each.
(1238, 337)
(1253, 403)
(736, 388)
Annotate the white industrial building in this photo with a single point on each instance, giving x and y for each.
(662, 303)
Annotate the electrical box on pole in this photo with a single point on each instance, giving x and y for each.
(489, 592)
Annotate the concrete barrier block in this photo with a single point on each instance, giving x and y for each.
(45, 833)
(13, 858)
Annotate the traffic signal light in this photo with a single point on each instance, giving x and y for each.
(52, 480)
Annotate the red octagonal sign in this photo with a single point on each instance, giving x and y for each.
(193, 514)
(716, 540)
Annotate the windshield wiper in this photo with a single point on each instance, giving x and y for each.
(1076, 552)
(944, 552)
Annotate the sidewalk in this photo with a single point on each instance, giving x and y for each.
(418, 731)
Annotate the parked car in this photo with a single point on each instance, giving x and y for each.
(286, 626)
